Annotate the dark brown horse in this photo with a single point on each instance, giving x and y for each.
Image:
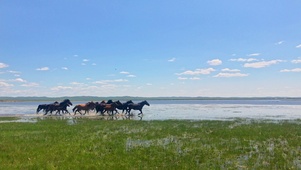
(137, 106)
(86, 107)
(113, 107)
(109, 108)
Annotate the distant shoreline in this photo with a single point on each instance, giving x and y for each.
(124, 98)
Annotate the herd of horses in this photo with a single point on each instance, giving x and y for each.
(110, 107)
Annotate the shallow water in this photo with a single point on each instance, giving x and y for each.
(185, 110)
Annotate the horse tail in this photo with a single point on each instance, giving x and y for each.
(74, 108)
(38, 109)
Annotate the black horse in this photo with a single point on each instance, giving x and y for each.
(125, 106)
(137, 106)
(62, 106)
(44, 107)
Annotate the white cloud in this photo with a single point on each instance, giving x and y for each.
(64, 68)
(58, 88)
(215, 62)
(149, 84)
(124, 72)
(296, 61)
(197, 72)
(131, 75)
(194, 78)
(231, 75)
(3, 65)
(110, 81)
(14, 72)
(19, 80)
(262, 64)
(230, 70)
(43, 69)
(4, 84)
(254, 54)
(119, 80)
(291, 70)
(182, 78)
(279, 42)
(191, 78)
(30, 85)
(172, 60)
(244, 59)
(86, 60)
(298, 46)
(76, 83)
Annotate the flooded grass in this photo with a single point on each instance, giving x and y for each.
(9, 118)
(84, 143)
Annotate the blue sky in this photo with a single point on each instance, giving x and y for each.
(150, 48)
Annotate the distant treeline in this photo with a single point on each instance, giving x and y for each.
(125, 98)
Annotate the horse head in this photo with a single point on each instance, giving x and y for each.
(145, 102)
(66, 102)
(118, 103)
(130, 101)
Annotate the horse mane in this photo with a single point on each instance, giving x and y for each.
(66, 100)
(142, 101)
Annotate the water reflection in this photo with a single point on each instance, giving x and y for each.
(71, 120)
(187, 110)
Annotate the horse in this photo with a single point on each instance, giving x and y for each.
(137, 106)
(62, 106)
(124, 106)
(44, 107)
(86, 107)
(100, 107)
(112, 107)
(103, 107)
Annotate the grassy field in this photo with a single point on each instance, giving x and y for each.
(125, 144)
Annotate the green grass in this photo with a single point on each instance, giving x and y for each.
(99, 144)
(9, 118)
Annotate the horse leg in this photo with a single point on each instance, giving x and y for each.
(102, 112)
(46, 111)
(128, 111)
(75, 110)
(68, 112)
(140, 112)
(116, 111)
(59, 111)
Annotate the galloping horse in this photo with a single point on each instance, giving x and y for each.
(138, 106)
(105, 107)
(62, 106)
(124, 106)
(86, 107)
(112, 107)
(44, 107)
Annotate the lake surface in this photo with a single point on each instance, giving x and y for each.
(186, 109)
